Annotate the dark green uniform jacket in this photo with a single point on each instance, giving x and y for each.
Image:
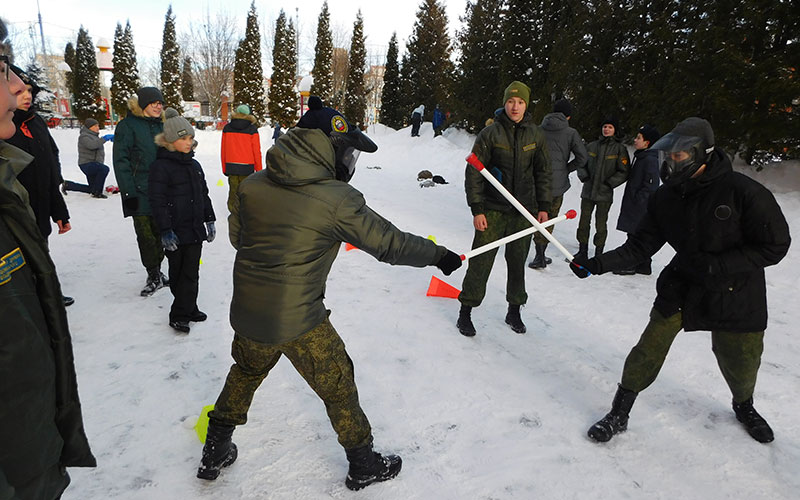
(287, 223)
(40, 416)
(516, 154)
(134, 151)
(606, 169)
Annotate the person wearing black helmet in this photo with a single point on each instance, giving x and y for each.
(725, 229)
(287, 224)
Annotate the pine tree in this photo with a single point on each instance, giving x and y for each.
(391, 110)
(170, 64)
(248, 77)
(431, 71)
(355, 101)
(69, 58)
(323, 58)
(187, 84)
(125, 75)
(44, 98)
(478, 91)
(282, 96)
(87, 103)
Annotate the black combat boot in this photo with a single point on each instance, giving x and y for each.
(367, 467)
(514, 320)
(154, 282)
(464, 323)
(598, 250)
(616, 420)
(756, 426)
(538, 261)
(218, 452)
(583, 250)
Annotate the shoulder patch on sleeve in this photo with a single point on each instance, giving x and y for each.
(9, 263)
(529, 147)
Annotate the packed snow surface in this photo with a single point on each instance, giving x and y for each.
(496, 416)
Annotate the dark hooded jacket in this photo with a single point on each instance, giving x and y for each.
(561, 141)
(43, 177)
(287, 225)
(241, 146)
(134, 152)
(516, 154)
(725, 229)
(606, 169)
(179, 194)
(41, 425)
(643, 182)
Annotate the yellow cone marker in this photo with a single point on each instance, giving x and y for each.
(201, 428)
(432, 238)
(220, 183)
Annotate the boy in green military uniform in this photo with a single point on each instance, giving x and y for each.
(513, 149)
(606, 169)
(287, 224)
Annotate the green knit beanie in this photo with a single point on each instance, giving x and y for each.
(517, 89)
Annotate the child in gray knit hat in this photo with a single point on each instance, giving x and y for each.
(183, 213)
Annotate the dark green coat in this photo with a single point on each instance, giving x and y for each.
(134, 151)
(287, 224)
(40, 416)
(516, 154)
(606, 169)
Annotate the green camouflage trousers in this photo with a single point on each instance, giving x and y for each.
(148, 237)
(233, 188)
(538, 238)
(600, 222)
(320, 358)
(738, 356)
(499, 225)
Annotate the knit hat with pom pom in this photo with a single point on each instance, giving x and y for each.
(176, 126)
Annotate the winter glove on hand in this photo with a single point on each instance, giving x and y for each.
(211, 230)
(583, 267)
(449, 263)
(170, 240)
(131, 203)
(108, 137)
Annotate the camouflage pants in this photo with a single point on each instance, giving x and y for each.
(738, 356)
(148, 237)
(538, 238)
(320, 358)
(499, 225)
(233, 188)
(600, 222)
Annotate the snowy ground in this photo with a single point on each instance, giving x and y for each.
(497, 416)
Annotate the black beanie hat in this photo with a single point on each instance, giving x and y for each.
(613, 121)
(563, 106)
(649, 133)
(331, 121)
(26, 79)
(148, 95)
(696, 127)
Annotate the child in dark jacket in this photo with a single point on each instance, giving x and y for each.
(183, 214)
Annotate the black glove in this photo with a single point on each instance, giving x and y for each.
(583, 267)
(449, 263)
(131, 203)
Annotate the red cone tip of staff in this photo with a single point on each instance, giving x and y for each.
(473, 160)
(463, 257)
(348, 247)
(571, 214)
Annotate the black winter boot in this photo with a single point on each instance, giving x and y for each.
(514, 320)
(598, 250)
(756, 426)
(218, 452)
(367, 467)
(538, 261)
(155, 280)
(583, 250)
(616, 420)
(464, 323)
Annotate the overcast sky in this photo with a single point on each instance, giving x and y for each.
(62, 18)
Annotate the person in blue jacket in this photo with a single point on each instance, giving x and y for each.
(438, 121)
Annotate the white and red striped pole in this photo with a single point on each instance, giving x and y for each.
(473, 160)
(571, 214)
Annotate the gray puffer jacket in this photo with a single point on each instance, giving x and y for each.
(561, 141)
(90, 147)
